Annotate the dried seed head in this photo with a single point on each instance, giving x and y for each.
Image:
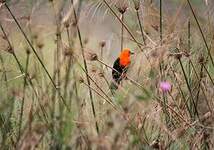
(101, 74)
(40, 45)
(25, 18)
(10, 50)
(122, 6)
(74, 23)
(27, 51)
(58, 34)
(155, 144)
(110, 124)
(32, 76)
(102, 44)
(93, 70)
(35, 36)
(187, 54)
(126, 109)
(81, 80)
(4, 37)
(2, 1)
(92, 56)
(201, 59)
(137, 4)
(86, 41)
(178, 55)
(66, 24)
(154, 54)
(68, 52)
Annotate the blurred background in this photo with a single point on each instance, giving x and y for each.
(45, 96)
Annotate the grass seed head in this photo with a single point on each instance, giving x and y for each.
(86, 40)
(101, 74)
(40, 45)
(2, 1)
(201, 59)
(110, 124)
(136, 4)
(122, 6)
(27, 50)
(68, 52)
(92, 56)
(66, 24)
(102, 44)
(10, 50)
(81, 80)
(35, 36)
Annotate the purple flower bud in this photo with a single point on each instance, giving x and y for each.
(165, 86)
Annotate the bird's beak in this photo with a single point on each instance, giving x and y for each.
(132, 53)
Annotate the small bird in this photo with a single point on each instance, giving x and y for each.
(120, 66)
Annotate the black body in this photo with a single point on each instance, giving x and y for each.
(117, 75)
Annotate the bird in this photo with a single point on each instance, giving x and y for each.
(121, 66)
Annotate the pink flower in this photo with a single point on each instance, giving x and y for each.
(165, 86)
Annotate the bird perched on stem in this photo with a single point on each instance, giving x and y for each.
(120, 66)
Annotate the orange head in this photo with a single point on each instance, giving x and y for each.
(125, 59)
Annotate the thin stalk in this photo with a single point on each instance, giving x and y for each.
(181, 91)
(161, 19)
(69, 65)
(200, 86)
(101, 53)
(189, 88)
(141, 26)
(86, 68)
(174, 101)
(199, 82)
(169, 107)
(109, 99)
(36, 54)
(189, 47)
(7, 129)
(21, 68)
(126, 27)
(130, 33)
(212, 81)
(4, 72)
(23, 98)
(161, 39)
(57, 16)
(122, 32)
(108, 84)
(167, 116)
(202, 34)
(106, 99)
(76, 89)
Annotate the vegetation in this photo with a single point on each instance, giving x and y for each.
(55, 66)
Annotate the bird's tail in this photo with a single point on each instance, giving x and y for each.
(113, 87)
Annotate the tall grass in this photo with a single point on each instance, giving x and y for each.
(56, 75)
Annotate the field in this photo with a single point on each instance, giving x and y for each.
(56, 85)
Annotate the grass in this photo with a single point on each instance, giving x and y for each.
(55, 83)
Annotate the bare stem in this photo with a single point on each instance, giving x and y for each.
(202, 34)
(122, 32)
(141, 26)
(86, 68)
(161, 19)
(189, 88)
(36, 54)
